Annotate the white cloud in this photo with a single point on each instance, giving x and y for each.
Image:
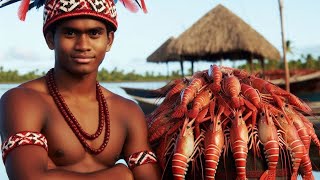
(25, 59)
(2, 57)
(21, 54)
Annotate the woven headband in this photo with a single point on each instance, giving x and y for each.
(55, 10)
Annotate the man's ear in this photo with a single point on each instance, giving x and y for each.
(50, 40)
(110, 38)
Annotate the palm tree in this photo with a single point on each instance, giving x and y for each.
(289, 47)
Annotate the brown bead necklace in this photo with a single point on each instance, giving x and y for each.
(73, 122)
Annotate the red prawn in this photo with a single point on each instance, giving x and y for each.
(268, 136)
(187, 96)
(239, 144)
(232, 88)
(200, 101)
(214, 142)
(183, 150)
(215, 74)
(294, 144)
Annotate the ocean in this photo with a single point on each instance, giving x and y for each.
(116, 88)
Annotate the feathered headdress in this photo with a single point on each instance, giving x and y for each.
(58, 9)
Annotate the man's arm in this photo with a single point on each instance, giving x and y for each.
(24, 109)
(29, 162)
(136, 141)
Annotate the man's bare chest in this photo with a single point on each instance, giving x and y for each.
(65, 148)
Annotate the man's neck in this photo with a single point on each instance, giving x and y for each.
(74, 84)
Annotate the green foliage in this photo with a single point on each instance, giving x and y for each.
(305, 62)
(116, 75)
(12, 76)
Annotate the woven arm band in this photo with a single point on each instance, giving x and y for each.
(140, 158)
(21, 139)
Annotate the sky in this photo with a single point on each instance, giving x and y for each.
(23, 47)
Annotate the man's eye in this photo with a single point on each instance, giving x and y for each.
(69, 33)
(95, 33)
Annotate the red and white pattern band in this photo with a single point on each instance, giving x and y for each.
(55, 10)
(21, 139)
(140, 158)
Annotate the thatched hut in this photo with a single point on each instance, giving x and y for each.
(164, 54)
(218, 35)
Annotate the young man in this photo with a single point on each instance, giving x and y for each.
(65, 125)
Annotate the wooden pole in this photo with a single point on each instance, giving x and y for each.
(181, 65)
(286, 66)
(251, 64)
(192, 71)
(263, 67)
(167, 70)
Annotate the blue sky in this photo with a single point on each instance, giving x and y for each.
(23, 47)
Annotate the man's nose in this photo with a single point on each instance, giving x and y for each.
(83, 43)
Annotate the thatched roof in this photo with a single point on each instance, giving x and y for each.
(163, 53)
(220, 34)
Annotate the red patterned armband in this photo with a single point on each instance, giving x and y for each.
(21, 139)
(140, 158)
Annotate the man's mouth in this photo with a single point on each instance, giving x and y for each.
(82, 59)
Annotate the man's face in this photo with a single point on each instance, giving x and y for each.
(80, 44)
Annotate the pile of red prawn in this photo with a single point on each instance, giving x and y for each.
(224, 110)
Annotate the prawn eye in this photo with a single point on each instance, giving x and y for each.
(240, 116)
(188, 127)
(219, 122)
(281, 116)
(286, 105)
(262, 114)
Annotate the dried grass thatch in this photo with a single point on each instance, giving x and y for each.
(163, 53)
(220, 34)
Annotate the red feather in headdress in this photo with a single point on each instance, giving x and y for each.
(130, 5)
(23, 9)
(144, 7)
(133, 5)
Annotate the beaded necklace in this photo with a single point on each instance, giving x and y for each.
(73, 122)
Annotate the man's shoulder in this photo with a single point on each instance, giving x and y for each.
(37, 85)
(26, 96)
(27, 89)
(22, 108)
